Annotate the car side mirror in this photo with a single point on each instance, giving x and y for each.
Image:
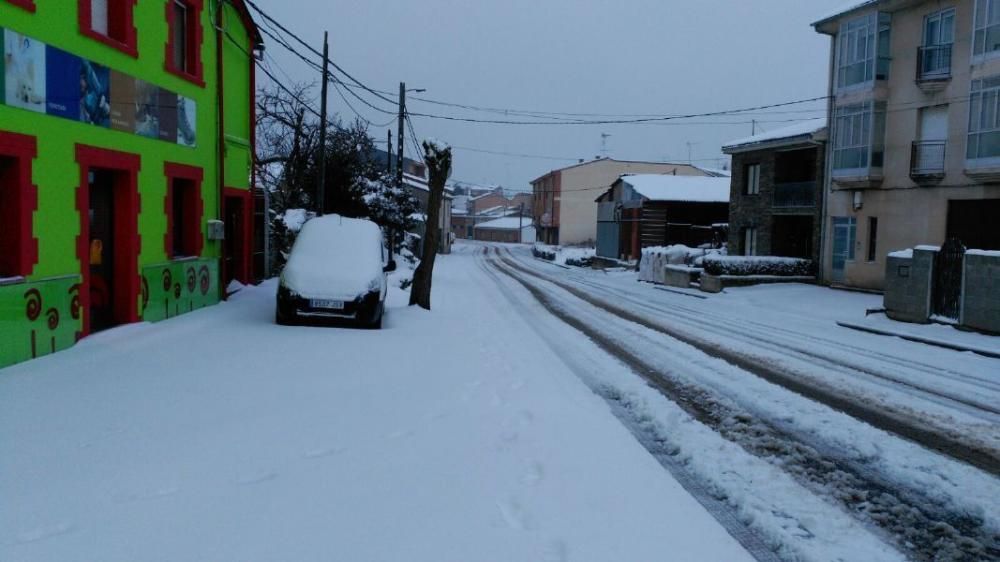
(389, 267)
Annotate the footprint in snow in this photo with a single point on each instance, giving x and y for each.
(513, 515)
(556, 551)
(256, 478)
(146, 495)
(42, 533)
(534, 474)
(323, 452)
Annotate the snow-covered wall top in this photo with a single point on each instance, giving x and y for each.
(697, 189)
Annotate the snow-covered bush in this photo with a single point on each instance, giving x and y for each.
(656, 258)
(577, 257)
(759, 265)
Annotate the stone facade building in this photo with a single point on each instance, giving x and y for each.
(776, 194)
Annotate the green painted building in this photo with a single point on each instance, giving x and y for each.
(126, 146)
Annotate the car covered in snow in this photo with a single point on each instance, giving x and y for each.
(336, 271)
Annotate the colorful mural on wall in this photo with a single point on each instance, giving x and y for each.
(175, 288)
(41, 78)
(40, 318)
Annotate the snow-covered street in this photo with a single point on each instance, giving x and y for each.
(451, 435)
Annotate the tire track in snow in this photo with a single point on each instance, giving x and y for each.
(921, 529)
(898, 423)
(719, 510)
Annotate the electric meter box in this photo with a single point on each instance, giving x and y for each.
(216, 230)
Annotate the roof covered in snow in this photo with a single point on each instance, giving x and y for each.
(715, 172)
(805, 131)
(506, 223)
(668, 187)
(850, 6)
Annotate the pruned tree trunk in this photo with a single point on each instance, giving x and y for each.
(438, 159)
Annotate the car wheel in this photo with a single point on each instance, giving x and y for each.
(282, 320)
(376, 324)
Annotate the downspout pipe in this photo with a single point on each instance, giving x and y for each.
(221, 135)
(824, 238)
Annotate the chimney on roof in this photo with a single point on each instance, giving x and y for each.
(675, 171)
(580, 161)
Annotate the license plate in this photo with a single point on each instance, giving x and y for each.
(327, 303)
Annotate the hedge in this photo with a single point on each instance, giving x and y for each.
(758, 265)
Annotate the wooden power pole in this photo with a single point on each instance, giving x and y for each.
(321, 181)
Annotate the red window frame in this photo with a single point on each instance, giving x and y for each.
(26, 4)
(19, 253)
(195, 36)
(194, 208)
(124, 10)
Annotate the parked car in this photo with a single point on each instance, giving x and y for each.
(336, 272)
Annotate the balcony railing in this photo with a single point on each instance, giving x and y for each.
(934, 63)
(927, 160)
(797, 194)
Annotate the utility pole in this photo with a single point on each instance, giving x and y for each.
(399, 155)
(388, 151)
(520, 223)
(321, 187)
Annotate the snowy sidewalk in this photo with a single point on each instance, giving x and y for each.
(451, 435)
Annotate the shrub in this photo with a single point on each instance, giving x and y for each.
(758, 265)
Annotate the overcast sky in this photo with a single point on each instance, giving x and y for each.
(662, 57)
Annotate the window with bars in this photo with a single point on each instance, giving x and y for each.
(984, 119)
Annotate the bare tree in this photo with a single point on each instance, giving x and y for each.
(438, 159)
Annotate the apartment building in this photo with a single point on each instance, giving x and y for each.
(564, 208)
(914, 154)
(125, 181)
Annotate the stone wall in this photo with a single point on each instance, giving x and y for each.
(908, 286)
(981, 291)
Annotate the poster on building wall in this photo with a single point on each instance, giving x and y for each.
(168, 115)
(62, 78)
(147, 109)
(122, 102)
(45, 79)
(95, 94)
(24, 72)
(187, 122)
(3, 71)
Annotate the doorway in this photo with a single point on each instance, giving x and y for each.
(108, 244)
(844, 233)
(101, 249)
(236, 215)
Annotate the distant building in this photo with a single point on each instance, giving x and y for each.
(776, 196)
(513, 229)
(563, 205)
(644, 210)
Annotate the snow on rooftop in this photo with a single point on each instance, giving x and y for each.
(810, 127)
(717, 172)
(667, 187)
(507, 223)
(848, 7)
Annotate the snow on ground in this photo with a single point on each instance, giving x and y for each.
(800, 525)
(450, 435)
(806, 315)
(795, 326)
